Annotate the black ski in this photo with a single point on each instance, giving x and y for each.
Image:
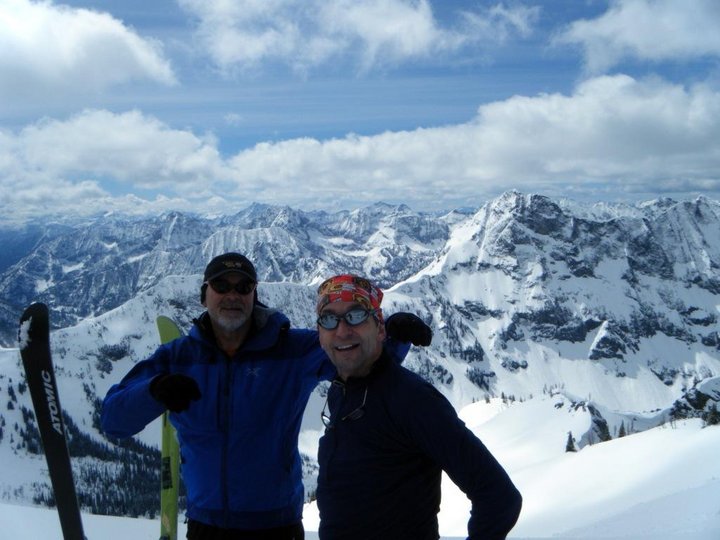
(34, 343)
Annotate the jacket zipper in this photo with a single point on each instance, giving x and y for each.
(225, 427)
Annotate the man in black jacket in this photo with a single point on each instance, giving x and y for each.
(389, 435)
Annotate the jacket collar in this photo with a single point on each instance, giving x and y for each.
(378, 368)
(268, 325)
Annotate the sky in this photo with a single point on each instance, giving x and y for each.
(208, 106)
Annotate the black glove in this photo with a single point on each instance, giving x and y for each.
(406, 327)
(175, 391)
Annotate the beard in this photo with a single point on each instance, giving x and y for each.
(231, 324)
(230, 321)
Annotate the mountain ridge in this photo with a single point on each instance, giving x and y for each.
(614, 318)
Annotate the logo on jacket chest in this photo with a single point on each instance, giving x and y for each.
(253, 371)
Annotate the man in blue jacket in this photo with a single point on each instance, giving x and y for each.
(389, 435)
(236, 387)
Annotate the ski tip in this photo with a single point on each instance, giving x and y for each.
(33, 322)
(34, 310)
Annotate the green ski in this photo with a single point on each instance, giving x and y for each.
(169, 473)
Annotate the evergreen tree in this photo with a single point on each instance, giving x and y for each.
(712, 418)
(570, 445)
(622, 431)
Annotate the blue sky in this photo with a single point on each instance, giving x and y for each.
(210, 105)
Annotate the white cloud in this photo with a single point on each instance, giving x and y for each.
(308, 33)
(613, 131)
(611, 127)
(389, 30)
(612, 135)
(48, 49)
(657, 30)
(95, 160)
(500, 22)
(128, 147)
(234, 119)
(64, 166)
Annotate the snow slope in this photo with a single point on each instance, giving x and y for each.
(660, 484)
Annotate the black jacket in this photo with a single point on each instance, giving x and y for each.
(381, 462)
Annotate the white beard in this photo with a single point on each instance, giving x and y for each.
(231, 324)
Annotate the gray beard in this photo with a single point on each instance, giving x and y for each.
(230, 324)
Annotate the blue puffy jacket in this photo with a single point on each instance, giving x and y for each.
(239, 455)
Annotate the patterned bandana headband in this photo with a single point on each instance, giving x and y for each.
(350, 288)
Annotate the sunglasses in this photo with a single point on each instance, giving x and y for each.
(223, 286)
(355, 414)
(330, 321)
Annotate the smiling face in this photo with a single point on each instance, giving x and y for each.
(352, 349)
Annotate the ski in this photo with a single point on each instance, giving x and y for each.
(34, 344)
(169, 472)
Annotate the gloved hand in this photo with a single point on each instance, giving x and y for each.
(175, 391)
(406, 327)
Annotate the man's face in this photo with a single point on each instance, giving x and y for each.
(352, 349)
(230, 310)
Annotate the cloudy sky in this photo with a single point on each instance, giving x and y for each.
(210, 105)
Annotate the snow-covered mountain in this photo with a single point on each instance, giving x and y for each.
(608, 312)
(85, 268)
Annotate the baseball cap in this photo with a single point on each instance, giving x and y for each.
(227, 263)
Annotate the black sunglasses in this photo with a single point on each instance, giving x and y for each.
(223, 286)
(330, 321)
(355, 414)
